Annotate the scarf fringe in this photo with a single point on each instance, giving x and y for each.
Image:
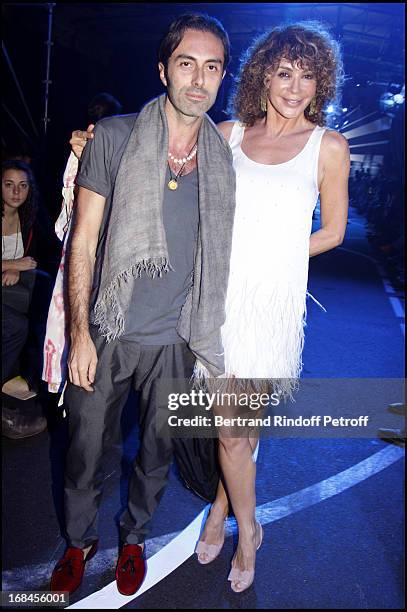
(109, 300)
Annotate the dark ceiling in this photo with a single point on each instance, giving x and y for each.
(371, 34)
(113, 46)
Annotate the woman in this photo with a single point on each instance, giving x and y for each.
(19, 209)
(284, 158)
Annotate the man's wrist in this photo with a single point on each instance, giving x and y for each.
(80, 334)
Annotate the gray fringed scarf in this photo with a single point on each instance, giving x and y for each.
(136, 238)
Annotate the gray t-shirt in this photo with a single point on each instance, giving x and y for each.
(157, 302)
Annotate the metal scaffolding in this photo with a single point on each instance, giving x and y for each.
(47, 81)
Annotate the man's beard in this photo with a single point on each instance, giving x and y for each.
(189, 107)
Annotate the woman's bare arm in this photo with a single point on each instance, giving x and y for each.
(333, 194)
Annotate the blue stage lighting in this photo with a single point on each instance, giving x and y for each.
(387, 101)
(344, 110)
(398, 98)
(330, 109)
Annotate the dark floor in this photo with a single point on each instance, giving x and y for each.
(329, 541)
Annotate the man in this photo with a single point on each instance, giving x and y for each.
(149, 261)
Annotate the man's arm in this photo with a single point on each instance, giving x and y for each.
(333, 194)
(88, 218)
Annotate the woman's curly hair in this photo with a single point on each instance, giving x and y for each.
(28, 211)
(305, 42)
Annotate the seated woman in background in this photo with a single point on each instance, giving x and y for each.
(19, 209)
(19, 263)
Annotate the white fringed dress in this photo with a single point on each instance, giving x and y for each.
(263, 335)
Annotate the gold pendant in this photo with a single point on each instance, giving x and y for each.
(172, 184)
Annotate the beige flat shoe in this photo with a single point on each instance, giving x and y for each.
(242, 579)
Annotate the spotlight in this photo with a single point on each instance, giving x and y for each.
(400, 97)
(387, 101)
(330, 109)
(357, 84)
(345, 122)
(344, 110)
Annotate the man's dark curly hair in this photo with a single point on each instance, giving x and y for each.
(27, 211)
(305, 42)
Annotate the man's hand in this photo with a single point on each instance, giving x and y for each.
(25, 263)
(10, 277)
(82, 361)
(79, 140)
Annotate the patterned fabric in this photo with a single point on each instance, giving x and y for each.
(56, 337)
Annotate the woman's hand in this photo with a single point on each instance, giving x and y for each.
(24, 263)
(79, 140)
(10, 277)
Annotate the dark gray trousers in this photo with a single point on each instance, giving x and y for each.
(93, 423)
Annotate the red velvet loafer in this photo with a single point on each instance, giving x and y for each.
(68, 572)
(130, 569)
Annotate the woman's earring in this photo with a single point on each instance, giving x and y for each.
(313, 107)
(263, 103)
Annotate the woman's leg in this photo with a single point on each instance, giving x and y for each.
(239, 471)
(213, 532)
(237, 484)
